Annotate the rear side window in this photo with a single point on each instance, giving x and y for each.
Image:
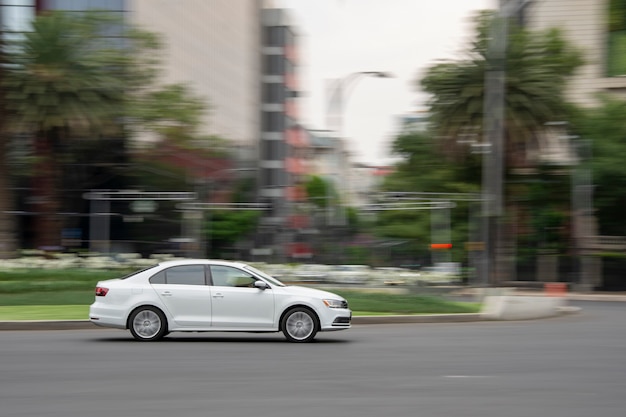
(181, 275)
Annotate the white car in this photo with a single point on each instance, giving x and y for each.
(209, 295)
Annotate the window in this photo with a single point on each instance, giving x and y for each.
(273, 150)
(274, 177)
(17, 16)
(274, 65)
(158, 278)
(616, 53)
(181, 275)
(274, 93)
(274, 35)
(226, 276)
(273, 122)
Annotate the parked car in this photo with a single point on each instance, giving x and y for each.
(209, 295)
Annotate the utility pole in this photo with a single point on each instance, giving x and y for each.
(493, 158)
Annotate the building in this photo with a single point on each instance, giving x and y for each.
(241, 57)
(213, 46)
(598, 29)
(282, 170)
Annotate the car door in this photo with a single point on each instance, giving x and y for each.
(236, 303)
(184, 292)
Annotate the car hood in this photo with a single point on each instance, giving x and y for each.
(311, 292)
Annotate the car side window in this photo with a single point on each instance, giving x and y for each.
(226, 276)
(180, 275)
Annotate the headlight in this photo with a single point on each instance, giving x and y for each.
(330, 303)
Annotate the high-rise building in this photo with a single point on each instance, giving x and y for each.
(283, 142)
(242, 58)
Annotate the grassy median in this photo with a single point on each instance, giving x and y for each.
(66, 295)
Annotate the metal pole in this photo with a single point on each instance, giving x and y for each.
(493, 136)
(493, 158)
(335, 102)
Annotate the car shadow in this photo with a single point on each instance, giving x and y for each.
(220, 339)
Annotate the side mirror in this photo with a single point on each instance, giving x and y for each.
(261, 285)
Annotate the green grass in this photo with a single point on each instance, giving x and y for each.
(66, 295)
(45, 312)
(381, 302)
(83, 297)
(41, 280)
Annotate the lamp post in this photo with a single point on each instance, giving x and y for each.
(493, 157)
(338, 91)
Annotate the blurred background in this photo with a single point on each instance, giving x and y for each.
(487, 149)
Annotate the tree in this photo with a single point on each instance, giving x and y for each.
(602, 132)
(426, 167)
(172, 111)
(538, 65)
(321, 193)
(84, 77)
(61, 84)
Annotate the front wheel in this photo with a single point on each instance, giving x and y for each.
(147, 324)
(300, 325)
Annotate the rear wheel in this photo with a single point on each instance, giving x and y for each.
(147, 324)
(300, 325)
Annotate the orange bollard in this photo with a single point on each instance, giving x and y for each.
(555, 289)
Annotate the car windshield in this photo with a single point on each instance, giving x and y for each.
(265, 276)
(132, 274)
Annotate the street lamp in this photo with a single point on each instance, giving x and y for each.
(339, 91)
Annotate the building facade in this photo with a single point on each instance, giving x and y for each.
(282, 169)
(598, 29)
(242, 58)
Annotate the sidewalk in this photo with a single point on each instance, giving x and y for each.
(357, 320)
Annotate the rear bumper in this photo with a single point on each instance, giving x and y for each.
(107, 316)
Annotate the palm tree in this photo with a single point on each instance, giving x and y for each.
(537, 68)
(66, 80)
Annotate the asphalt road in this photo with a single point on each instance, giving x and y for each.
(573, 365)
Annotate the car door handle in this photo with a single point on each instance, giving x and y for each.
(218, 295)
(166, 294)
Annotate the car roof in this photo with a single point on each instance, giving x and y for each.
(178, 262)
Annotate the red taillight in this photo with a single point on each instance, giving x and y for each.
(101, 291)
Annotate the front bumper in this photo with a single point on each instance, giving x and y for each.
(340, 319)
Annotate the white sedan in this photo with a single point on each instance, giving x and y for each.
(209, 295)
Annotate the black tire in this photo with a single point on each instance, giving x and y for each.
(299, 325)
(147, 324)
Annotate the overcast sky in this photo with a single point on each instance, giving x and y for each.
(402, 37)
